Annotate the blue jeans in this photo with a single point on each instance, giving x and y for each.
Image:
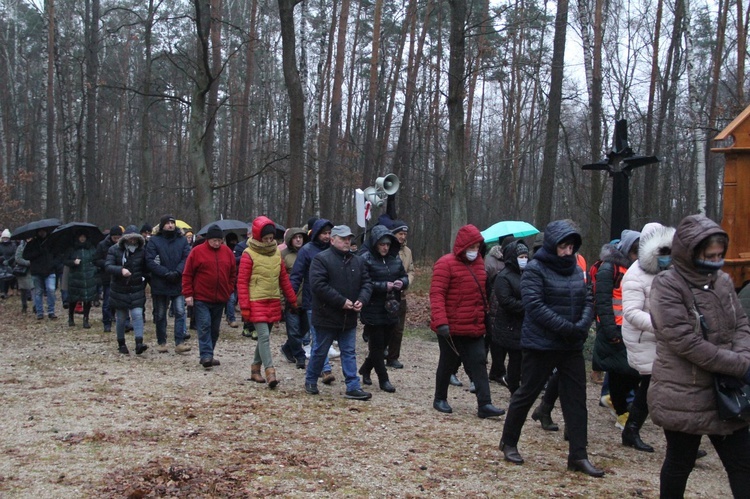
(296, 328)
(326, 363)
(136, 320)
(161, 303)
(106, 311)
(44, 284)
(322, 341)
(230, 307)
(208, 323)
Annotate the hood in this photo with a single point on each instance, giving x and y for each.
(468, 235)
(511, 254)
(556, 232)
(538, 243)
(318, 227)
(652, 241)
(376, 234)
(258, 225)
(627, 240)
(132, 237)
(692, 230)
(293, 232)
(496, 253)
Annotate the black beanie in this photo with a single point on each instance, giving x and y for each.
(115, 231)
(146, 228)
(268, 229)
(214, 232)
(164, 220)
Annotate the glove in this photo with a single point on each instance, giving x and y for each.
(397, 285)
(443, 331)
(173, 276)
(389, 286)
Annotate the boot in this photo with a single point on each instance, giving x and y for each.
(271, 377)
(86, 324)
(123, 349)
(543, 414)
(255, 374)
(631, 436)
(139, 346)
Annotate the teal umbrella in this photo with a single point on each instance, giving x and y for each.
(513, 228)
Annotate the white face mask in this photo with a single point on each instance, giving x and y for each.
(472, 255)
(522, 262)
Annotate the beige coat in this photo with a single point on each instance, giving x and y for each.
(681, 395)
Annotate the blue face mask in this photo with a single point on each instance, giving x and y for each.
(664, 262)
(522, 262)
(708, 266)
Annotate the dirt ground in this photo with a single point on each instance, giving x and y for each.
(81, 420)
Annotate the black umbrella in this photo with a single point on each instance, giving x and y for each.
(65, 236)
(30, 229)
(237, 226)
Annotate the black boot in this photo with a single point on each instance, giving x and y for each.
(543, 414)
(631, 436)
(122, 347)
(139, 346)
(86, 323)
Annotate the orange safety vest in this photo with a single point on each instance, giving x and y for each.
(617, 294)
(582, 263)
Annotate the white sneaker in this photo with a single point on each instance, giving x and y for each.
(333, 353)
(307, 349)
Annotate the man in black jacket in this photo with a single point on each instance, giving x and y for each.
(100, 261)
(42, 269)
(340, 286)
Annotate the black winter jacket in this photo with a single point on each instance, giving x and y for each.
(558, 303)
(301, 271)
(507, 290)
(337, 276)
(172, 251)
(382, 270)
(127, 292)
(100, 259)
(42, 261)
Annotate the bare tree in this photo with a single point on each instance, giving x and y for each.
(456, 169)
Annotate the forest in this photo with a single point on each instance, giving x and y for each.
(118, 111)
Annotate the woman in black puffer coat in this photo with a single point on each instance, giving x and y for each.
(509, 316)
(82, 278)
(387, 273)
(126, 265)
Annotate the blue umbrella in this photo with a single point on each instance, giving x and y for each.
(513, 228)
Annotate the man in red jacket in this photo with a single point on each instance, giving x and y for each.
(207, 282)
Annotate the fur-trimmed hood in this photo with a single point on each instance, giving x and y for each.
(650, 246)
(131, 236)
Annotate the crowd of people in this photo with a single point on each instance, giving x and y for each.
(667, 318)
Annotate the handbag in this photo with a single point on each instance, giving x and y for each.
(5, 273)
(732, 394)
(20, 270)
(392, 304)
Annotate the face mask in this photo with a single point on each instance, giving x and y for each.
(708, 266)
(472, 255)
(522, 262)
(131, 247)
(664, 262)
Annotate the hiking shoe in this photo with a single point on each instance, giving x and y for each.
(107, 328)
(311, 389)
(606, 401)
(162, 348)
(328, 378)
(52, 317)
(207, 362)
(621, 420)
(455, 381)
(233, 324)
(358, 394)
(39, 317)
(301, 363)
(394, 364)
(215, 362)
(182, 348)
(288, 355)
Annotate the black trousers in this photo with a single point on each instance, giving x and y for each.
(537, 366)
(620, 385)
(733, 450)
(378, 337)
(552, 392)
(513, 372)
(640, 402)
(471, 352)
(397, 333)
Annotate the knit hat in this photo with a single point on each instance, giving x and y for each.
(214, 232)
(522, 249)
(6, 233)
(268, 229)
(130, 229)
(146, 228)
(398, 226)
(166, 219)
(115, 231)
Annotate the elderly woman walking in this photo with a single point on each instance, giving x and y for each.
(701, 331)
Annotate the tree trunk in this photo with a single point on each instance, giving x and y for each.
(146, 167)
(296, 112)
(456, 170)
(213, 93)
(549, 162)
(51, 191)
(698, 132)
(89, 192)
(651, 186)
(713, 172)
(369, 147)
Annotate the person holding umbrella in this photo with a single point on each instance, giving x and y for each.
(42, 270)
(82, 277)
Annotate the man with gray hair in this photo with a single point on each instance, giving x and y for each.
(340, 287)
